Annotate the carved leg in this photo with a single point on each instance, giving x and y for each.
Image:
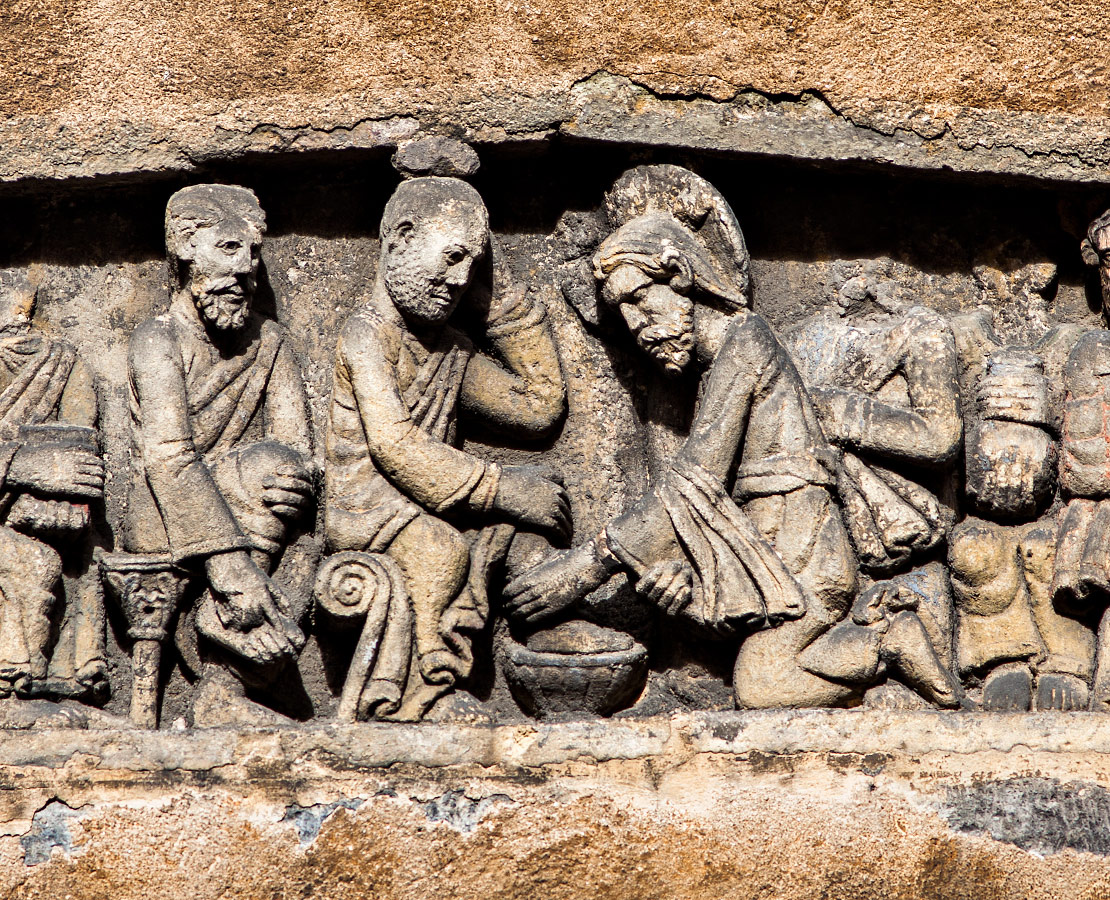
(434, 559)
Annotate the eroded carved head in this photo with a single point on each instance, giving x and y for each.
(214, 241)
(433, 232)
(17, 304)
(1096, 252)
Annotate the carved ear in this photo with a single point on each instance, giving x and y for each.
(683, 278)
(1090, 255)
(402, 233)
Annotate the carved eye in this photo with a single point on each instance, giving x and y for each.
(455, 256)
(230, 246)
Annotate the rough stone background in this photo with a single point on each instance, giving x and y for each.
(933, 132)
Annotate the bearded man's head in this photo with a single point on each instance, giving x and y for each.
(214, 241)
(433, 231)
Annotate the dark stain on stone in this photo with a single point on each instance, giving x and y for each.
(770, 763)
(459, 811)
(308, 820)
(868, 763)
(1038, 814)
(949, 871)
(49, 829)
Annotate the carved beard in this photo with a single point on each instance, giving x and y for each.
(415, 292)
(222, 306)
(668, 346)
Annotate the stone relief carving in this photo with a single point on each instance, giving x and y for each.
(743, 535)
(222, 464)
(416, 523)
(892, 501)
(52, 477)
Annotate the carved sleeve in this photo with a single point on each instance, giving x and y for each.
(929, 433)
(529, 394)
(287, 405)
(431, 472)
(197, 519)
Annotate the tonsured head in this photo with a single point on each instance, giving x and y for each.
(433, 232)
(647, 269)
(214, 241)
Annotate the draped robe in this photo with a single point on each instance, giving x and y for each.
(44, 383)
(191, 407)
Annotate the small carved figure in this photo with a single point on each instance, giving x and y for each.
(742, 531)
(50, 472)
(1081, 585)
(883, 377)
(1014, 649)
(222, 452)
(416, 522)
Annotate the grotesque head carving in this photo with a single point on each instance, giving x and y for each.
(214, 240)
(433, 231)
(676, 242)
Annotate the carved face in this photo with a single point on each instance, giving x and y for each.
(223, 272)
(660, 319)
(1101, 246)
(427, 265)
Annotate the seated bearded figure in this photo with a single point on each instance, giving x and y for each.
(222, 458)
(408, 513)
(742, 534)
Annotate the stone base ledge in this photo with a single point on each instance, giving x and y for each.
(515, 747)
(780, 804)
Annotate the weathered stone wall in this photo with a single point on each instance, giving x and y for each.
(90, 89)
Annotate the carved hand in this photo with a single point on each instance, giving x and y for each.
(534, 495)
(288, 490)
(556, 583)
(669, 584)
(58, 470)
(242, 587)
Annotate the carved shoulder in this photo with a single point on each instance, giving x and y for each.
(155, 339)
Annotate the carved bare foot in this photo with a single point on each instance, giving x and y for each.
(1009, 688)
(907, 649)
(1062, 692)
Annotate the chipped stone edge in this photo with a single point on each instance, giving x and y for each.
(599, 109)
